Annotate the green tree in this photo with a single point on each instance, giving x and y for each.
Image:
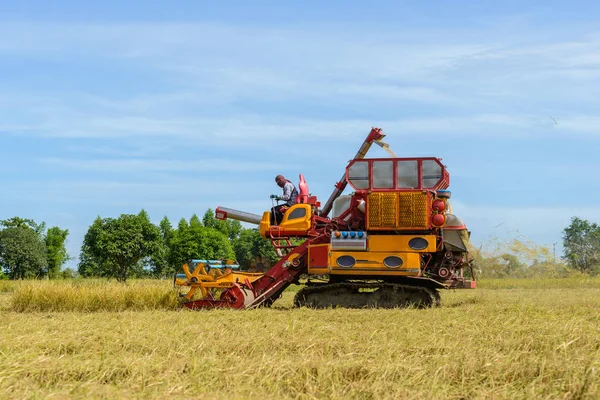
(512, 267)
(22, 252)
(56, 252)
(17, 222)
(160, 261)
(68, 273)
(195, 241)
(89, 265)
(118, 247)
(548, 269)
(244, 247)
(230, 227)
(581, 243)
(182, 225)
(53, 240)
(249, 246)
(195, 221)
(209, 220)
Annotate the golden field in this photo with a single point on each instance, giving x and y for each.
(96, 339)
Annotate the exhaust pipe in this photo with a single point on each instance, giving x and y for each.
(223, 213)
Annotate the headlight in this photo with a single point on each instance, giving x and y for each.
(418, 243)
(393, 262)
(345, 261)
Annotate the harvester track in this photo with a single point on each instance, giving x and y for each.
(366, 295)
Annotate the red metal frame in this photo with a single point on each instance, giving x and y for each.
(352, 212)
(442, 183)
(268, 286)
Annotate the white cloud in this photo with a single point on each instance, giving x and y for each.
(243, 129)
(204, 70)
(145, 165)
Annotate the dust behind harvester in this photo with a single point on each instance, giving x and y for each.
(392, 242)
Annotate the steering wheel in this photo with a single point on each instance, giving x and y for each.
(356, 224)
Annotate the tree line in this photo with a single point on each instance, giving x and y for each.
(522, 258)
(29, 250)
(127, 246)
(132, 246)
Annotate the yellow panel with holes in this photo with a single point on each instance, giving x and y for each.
(391, 243)
(374, 263)
(382, 210)
(400, 210)
(414, 210)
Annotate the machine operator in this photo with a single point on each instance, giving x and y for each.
(290, 193)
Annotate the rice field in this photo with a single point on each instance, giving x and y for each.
(96, 339)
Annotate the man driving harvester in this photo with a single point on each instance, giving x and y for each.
(290, 193)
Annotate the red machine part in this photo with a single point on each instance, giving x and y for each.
(438, 219)
(444, 272)
(438, 205)
(354, 217)
(234, 297)
(443, 182)
(303, 189)
(267, 287)
(375, 136)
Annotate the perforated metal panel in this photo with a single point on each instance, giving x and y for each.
(389, 210)
(383, 210)
(413, 210)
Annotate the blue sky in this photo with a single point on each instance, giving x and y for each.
(110, 107)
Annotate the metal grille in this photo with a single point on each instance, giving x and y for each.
(413, 210)
(383, 210)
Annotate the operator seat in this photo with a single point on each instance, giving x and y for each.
(302, 191)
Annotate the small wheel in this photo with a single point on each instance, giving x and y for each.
(444, 272)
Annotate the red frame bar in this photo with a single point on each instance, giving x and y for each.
(442, 183)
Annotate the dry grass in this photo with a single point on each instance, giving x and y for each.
(487, 343)
(7, 286)
(572, 282)
(93, 295)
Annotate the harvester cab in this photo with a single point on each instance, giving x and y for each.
(297, 219)
(392, 242)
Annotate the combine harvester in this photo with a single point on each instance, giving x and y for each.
(392, 242)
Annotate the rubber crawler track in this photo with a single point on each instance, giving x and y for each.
(384, 295)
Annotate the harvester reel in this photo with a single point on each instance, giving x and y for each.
(216, 285)
(193, 279)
